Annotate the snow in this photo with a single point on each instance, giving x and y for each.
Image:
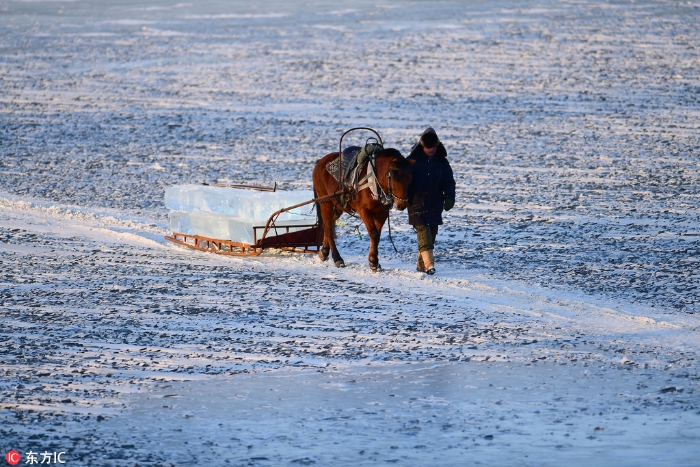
(561, 326)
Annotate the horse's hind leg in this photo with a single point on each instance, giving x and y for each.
(323, 252)
(329, 216)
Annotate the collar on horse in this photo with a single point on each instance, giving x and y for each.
(386, 198)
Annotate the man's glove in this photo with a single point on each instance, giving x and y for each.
(449, 204)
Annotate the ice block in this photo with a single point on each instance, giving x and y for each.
(223, 227)
(232, 213)
(248, 205)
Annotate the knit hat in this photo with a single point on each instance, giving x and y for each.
(429, 139)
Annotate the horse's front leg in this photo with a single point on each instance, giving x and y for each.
(374, 229)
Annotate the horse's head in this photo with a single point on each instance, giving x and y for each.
(395, 174)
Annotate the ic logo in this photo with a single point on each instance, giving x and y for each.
(13, 457)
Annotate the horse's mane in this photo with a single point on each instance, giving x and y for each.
(392, 153)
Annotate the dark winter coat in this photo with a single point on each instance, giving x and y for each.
(433, 182)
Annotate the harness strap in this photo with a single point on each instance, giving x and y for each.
(378, 193)
(365, 179)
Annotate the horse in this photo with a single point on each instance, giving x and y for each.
(393, 175)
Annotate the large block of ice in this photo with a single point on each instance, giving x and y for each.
(232, 213)
(223, 227)
(247, 205)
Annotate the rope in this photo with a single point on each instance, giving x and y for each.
(388, 218)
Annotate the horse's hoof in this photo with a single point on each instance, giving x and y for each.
(340, 263)
(375, 267)
(323, 255)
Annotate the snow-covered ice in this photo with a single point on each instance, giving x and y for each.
(562, 326)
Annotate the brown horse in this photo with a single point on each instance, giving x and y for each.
(393, 175)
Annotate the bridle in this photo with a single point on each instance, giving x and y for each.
(387, 198)
(389, 178)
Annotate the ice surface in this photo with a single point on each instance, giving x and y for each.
(232, 213)
(566, 300)
(428, 415)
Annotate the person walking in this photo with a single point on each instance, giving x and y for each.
(432, 190)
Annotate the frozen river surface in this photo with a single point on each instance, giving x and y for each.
(562, 326)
